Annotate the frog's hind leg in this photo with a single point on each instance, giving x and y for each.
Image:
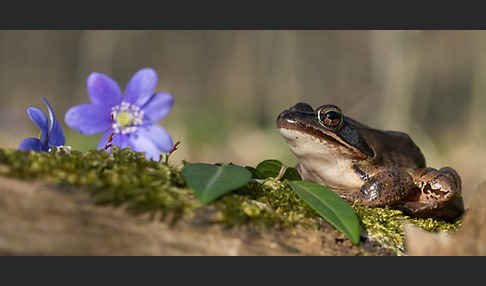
(439, 194)
(437, 185)
(383, 188)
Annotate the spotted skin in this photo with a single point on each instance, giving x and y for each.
(387, 187)
(426, 192)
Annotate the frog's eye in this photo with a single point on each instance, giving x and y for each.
(330, 116)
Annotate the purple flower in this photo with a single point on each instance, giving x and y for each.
(51, 134)
(131, 118)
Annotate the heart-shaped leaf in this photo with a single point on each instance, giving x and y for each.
(210, 181)
(271, 168)
(268, 168)
(292, 174)
(330, 206)
(253, 171)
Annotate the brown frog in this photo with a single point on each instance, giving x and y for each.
(375, 167)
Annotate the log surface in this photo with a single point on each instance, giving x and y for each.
(37, 218)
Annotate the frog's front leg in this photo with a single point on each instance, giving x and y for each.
(383, 188)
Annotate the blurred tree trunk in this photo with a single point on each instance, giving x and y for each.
(395, 59)
(96, 49)
(264, 65)
(477, 114)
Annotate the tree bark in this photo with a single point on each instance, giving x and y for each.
(39, 218)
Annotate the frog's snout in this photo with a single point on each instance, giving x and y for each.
(283, 117)
(291, 113)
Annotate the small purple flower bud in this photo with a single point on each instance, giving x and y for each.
(51, 131)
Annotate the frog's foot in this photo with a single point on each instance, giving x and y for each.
(438, 194)
(384, 188)
(437, 186)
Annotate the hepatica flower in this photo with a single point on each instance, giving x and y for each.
(51, 132)
(131, 117)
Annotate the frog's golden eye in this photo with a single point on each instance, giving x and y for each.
(330, 116)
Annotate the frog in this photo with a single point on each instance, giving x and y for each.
(368, 166)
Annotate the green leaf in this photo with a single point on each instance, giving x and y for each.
(271, 168)
(211, 181)
(292, 174)
(330, 206)
(253, 171)
(268, 168)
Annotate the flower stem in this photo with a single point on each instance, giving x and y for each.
(281, 173)
(110, 139)
(174, 148)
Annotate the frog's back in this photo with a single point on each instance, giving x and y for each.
(397, 149)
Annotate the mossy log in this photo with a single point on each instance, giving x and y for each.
(98, 203)
(50, 219)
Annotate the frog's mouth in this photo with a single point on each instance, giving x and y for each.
(302, 118)
(309, 130)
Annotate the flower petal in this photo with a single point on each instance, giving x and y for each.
(88, 118)
(40, 119)
(158, 135)
(51, 112)
(141, 86)
(103, 90)
(143, 144)
(120, 140)
(33, 144)
(157, 107)
(56, 137)
(150, 139)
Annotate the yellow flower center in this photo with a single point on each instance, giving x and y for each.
(124, 119)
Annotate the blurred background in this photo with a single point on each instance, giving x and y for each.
(229, 86)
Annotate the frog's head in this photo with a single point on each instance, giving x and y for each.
(324, 131)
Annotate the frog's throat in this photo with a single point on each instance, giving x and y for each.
(323, 162)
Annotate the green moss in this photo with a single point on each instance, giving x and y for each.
(268, 202)
(385, 225)
(126, 177)
(120, 177)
